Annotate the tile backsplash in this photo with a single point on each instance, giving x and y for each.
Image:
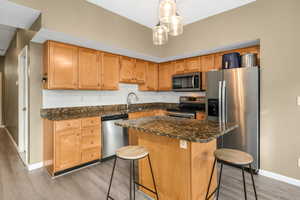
(72, 98)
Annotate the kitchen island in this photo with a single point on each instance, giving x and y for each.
(181, 152)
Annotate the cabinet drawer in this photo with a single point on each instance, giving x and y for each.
(93, 130)
(67, 124)
(90, 155)
(91, 121)
(89, 141)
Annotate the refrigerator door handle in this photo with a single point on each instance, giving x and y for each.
(224, 114)
(220, 102)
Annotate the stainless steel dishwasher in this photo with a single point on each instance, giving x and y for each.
(113, 136)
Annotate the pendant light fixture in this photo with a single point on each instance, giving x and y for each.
(167, 9)
(176, 25)
(160, 34)
(170, 22)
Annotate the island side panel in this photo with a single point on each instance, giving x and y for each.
(202, 159)
(171, 166)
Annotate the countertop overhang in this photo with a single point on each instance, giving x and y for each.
(184, 129)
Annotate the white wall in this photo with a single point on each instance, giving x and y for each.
(69, 98)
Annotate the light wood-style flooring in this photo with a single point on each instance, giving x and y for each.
(16, 183)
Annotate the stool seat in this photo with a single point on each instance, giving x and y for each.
(233, 156)
(132, 152)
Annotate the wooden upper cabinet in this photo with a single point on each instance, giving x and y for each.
(192, 64)
(61, 66)
(67, 149)
(89, 69)
(127, 74)
(166, 71)
(151, 83)
(179, 66)
(140, 70)
(110, 71)
(218, 61)
(207, 63)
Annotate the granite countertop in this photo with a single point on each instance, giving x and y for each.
(107, 110)
(186, 129)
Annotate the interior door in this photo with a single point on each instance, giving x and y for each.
(23, 104)
(242, 107)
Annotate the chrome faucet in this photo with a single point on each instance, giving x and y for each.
(129, 99)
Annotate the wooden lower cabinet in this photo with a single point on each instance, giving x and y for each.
(201, 115)
(132, 135)
(180, 173)
(67, 149)
(69, 143)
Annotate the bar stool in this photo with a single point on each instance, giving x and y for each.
(132, 153)
(234, 158)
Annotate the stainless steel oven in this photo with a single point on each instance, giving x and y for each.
(187, 82)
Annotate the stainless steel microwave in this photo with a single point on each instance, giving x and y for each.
(187, 82)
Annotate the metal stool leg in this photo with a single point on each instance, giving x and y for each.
(111, 178)
(219, 184)
(156, 193)
(212, 173)
(253, 181)
(130, 182)
(245, 189)
(133, 174)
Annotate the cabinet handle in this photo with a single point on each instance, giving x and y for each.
(44, 79)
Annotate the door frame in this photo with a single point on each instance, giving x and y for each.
(23, 111)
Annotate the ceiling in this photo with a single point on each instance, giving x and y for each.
(146, 12)
(14, 16)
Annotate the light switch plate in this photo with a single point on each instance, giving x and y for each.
(298, 100)
(298, 162)
(183, 144)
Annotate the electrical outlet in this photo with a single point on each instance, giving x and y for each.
(183, 144)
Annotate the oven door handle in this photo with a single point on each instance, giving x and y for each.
(193, 81)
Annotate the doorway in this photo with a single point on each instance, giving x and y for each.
(23, 104)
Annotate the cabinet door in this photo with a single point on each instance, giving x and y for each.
(67, 149)
(179, 66)
(152, 76)
(166, 71)
(151, 83)
(207, 64)
(110, 71)
(89, 69)
(63, 66)
(127, 74)
(192, 64)
(140, 71)
(218, 61)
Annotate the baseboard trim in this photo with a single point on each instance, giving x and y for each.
(12, 139)
(34, 166)
(280, 177)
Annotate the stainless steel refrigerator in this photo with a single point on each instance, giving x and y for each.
(233, 96)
